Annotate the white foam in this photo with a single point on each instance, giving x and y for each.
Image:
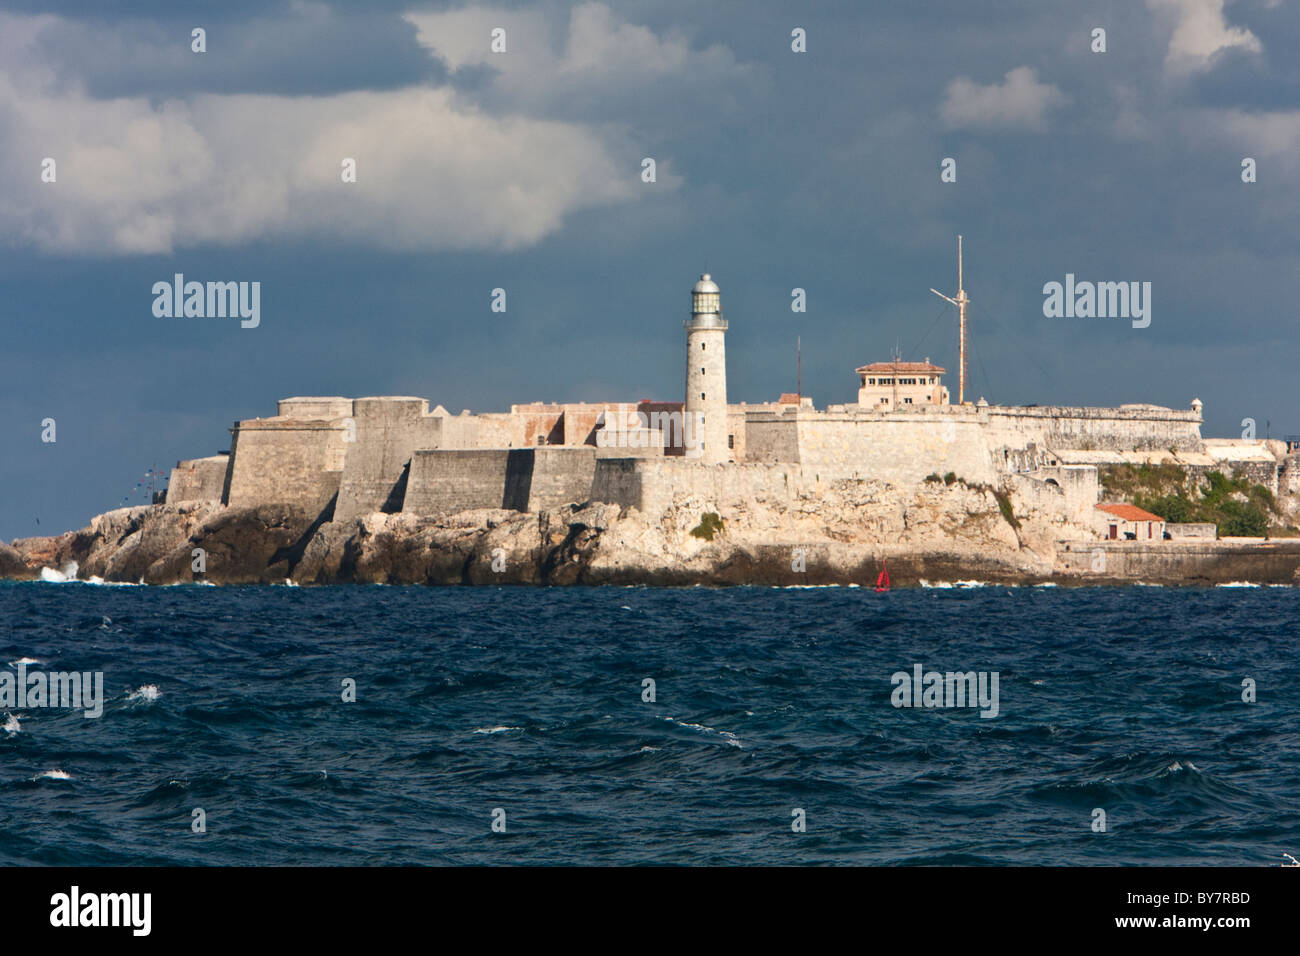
(494, 730)
(726, 735)
(53, 775)
(25, 660)
(1237, 584)
(11, 725)
(145, 692)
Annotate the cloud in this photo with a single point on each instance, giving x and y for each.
(1020, 100)
(139, 175)
(1274, 135)
(598, 67)
(1201, 35)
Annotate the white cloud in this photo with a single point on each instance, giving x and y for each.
(1020, 100)
(1269, 135)
(597, 55)
(1200, 35)
(142, 176)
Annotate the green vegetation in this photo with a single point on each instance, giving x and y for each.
(1004, 505)
(710, 524)
(1237, 507)
(949, 478)
(933, 478)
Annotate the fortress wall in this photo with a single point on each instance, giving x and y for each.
(1289, 478)
(451, 480)
(619, 481)
(1144, 427)
(651, 486)
(560, 476)
(772, 437)
(1081, 487)
(901, 449)
(315, 408)
(580, 424)
(1071, 494)
(388, 432)
(199, 479)
(525, 479)
(736, 429)
(490, 431)
(285, 461)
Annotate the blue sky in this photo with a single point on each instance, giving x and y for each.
(522, 170)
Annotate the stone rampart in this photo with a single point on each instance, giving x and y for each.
(199, 479)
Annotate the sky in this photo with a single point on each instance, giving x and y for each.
(523, 170)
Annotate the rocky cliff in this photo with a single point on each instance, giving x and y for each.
(844, 534)
(839, 536)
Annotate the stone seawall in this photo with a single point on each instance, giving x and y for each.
(1195, 562)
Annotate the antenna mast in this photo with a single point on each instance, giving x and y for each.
(960, 302)
(798, 348)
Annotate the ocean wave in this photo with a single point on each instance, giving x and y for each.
(726, 735)
(51, 576)
(145, 692)
(494, 730)
(53, 775)
(11, 725)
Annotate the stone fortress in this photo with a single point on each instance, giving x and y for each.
(341, 458)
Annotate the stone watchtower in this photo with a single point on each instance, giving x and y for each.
(706, 375)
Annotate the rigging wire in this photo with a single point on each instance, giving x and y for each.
(917, 347)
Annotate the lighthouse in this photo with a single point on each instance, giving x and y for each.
(706, 375)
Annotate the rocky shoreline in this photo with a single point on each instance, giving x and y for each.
(964, 539)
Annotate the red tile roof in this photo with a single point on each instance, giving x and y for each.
(901, 366)
(789, 398)
(1129, 512)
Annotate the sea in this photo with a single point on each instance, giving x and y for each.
(373, 725)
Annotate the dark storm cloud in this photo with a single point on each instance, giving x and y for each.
(777, 170)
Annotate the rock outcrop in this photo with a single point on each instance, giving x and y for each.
(844, 534)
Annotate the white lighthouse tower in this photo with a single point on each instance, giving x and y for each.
(706, 375)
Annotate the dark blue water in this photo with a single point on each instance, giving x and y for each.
(530, 700)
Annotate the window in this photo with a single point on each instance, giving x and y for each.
(703, 346)
(731, 441)
(701, 369)
(907, 401)
(701, 396)
(870, 381)
(884, 400)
